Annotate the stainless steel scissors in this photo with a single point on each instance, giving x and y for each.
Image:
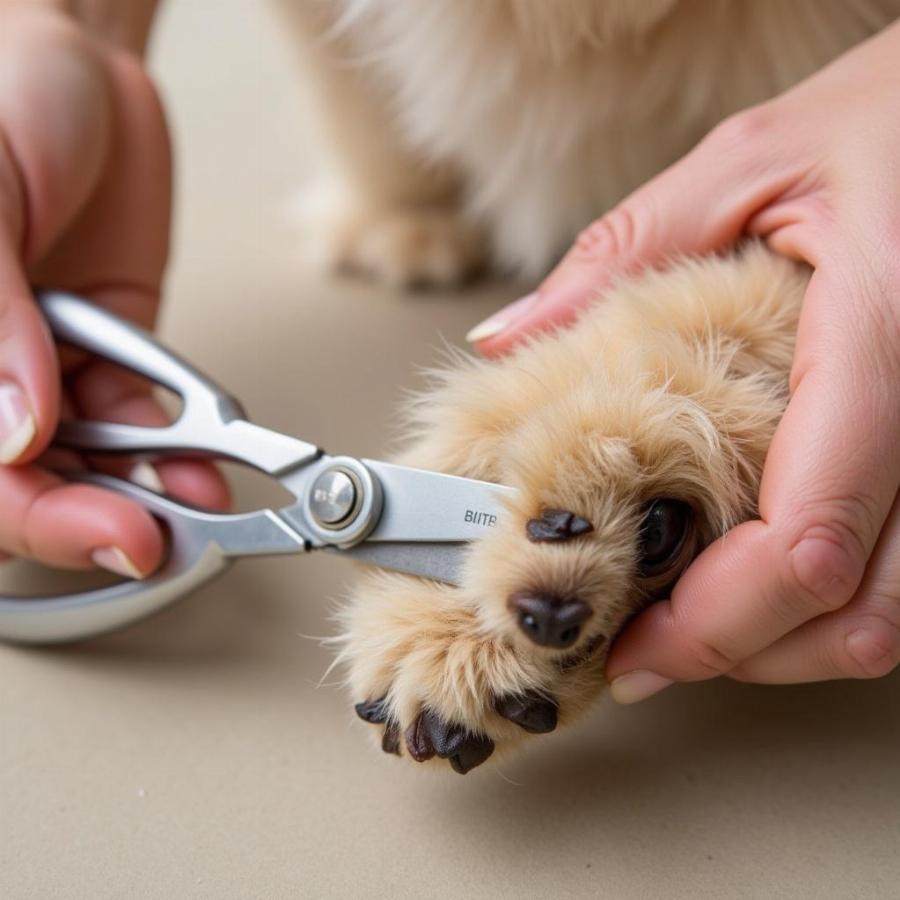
(376, 512)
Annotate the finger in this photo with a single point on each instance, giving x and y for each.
(698, 205)
(831, 476)
(108, 393)
(862, 640)
(53, 148)
(29, 374)
(75, 525)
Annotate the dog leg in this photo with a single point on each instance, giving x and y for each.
(380, 210)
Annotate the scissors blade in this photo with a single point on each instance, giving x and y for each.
(424, 507)
(428, 521)
(437, 562)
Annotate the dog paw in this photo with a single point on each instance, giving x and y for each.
(405, 247)
(430, 736)
(437, 686)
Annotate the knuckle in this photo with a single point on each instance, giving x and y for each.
(28, 540)
(749, 127)
(873, 648)
(614, 236)
(710, 655)
(828, 559)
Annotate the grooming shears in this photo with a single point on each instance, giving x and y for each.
(391, 516)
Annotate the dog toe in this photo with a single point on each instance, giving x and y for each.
(390, 740)
(429, 736)
(373, 711)
(535, 713)
(376, 713)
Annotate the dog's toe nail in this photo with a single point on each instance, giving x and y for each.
(530, 711)
(390, 741)
(374, 711)
(473, 751)
(418, 739)
(431, 736)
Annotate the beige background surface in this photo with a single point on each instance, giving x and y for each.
(195, 755)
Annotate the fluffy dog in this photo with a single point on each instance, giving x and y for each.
(454, 133)
(634, 439)
(459, 132)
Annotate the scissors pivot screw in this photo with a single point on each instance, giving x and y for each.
(336, 495)
(340, 503)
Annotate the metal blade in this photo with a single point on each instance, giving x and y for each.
(421, 524)
(439, 562)
(424, 507)
(428, 521)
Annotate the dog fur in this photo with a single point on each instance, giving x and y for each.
(453, 133)
(671, 387)
(458, 132)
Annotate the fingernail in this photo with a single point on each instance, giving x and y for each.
(17, 425)
(146, 476)
(113, 559)
(501, 320)
(632, 687)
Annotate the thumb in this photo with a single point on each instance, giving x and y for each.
(29, 371)
(698, 205)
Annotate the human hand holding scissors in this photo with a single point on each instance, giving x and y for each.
(388, 515)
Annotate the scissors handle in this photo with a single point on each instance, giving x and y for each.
(212, 422)
(201, 545)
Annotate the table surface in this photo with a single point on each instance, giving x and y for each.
(200, 754)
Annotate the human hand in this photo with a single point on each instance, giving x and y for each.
(84, 206)
(811, 590)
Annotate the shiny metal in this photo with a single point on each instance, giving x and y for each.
(212, 422)
(201, 546)
(421, 524)
(429, 521)
(422, 506)
(436, 562)
(392, 516)
(369, 500)
(334, 498)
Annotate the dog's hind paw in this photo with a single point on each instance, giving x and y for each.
(407, 247)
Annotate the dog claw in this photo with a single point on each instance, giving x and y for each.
(472, 752)
(390, 741)
(418, 737)
(373, 711)
(557, 525)
(430, 736)
(531, 711)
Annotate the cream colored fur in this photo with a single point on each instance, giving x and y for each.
(454, 132)
(670, 387)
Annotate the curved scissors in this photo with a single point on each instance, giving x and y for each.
(391, 516)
